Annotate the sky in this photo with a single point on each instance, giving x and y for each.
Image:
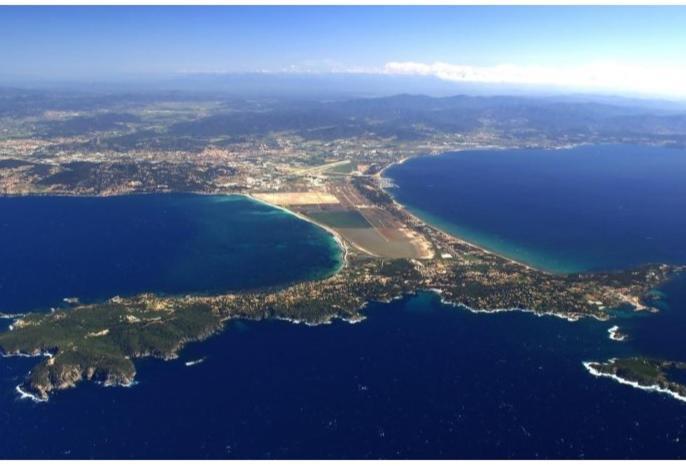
(631, 49)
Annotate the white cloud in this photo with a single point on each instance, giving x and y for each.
(612, 77)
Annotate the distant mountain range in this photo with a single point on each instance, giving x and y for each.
(403, 116)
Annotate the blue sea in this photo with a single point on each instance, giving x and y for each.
(591, 207)
(416, 379)
(97, 247)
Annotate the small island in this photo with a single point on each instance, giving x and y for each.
(615, 334)
(643, 373)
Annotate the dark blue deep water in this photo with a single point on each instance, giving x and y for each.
(417, 379)
(593, 207)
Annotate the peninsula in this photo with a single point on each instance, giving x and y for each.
(324, 163)
(388, 253)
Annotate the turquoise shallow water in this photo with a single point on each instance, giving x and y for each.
(95, 248)
(591, 207)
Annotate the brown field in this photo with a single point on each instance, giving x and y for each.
(371, 241)
(366, 227)
(301, 198)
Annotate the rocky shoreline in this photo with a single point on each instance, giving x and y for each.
(642, 373)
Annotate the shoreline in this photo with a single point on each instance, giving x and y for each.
(614, 334)
(342, 243)
(646, 388)
(24, 395)
(336, 236)
(442, 230)
(558, 315)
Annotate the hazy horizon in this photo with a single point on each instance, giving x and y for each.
(555, 50)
